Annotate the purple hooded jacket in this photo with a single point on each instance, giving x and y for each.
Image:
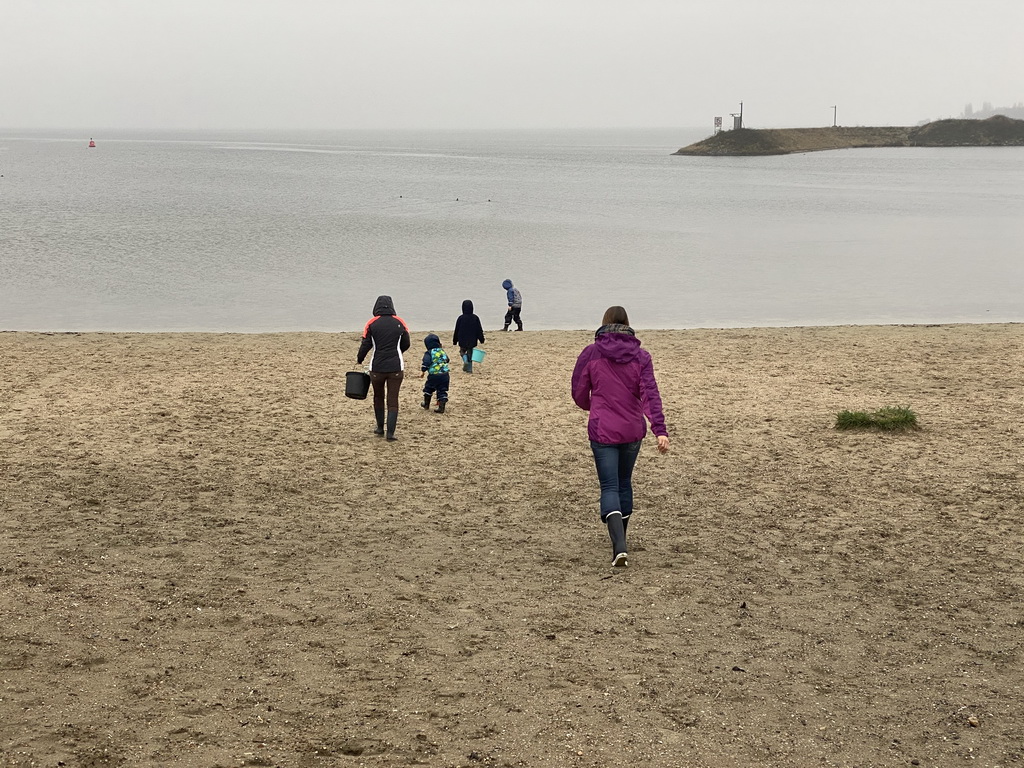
(614, 380)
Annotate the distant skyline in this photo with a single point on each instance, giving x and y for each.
(276, 64)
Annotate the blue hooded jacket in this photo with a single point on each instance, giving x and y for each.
(515, 298)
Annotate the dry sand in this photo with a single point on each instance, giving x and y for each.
(208, 559)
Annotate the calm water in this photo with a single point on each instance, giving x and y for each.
(267, 232)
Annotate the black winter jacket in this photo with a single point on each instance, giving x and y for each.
(387, 335)
(468, 328)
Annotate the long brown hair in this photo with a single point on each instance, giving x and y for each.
(615, 316)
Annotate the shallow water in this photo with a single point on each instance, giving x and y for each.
(266, 232)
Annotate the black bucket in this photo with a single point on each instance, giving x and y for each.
(357, 385)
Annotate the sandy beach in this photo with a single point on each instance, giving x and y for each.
(208, 559)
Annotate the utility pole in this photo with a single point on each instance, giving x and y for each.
(833, 115)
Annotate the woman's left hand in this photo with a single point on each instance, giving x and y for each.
(662, 443)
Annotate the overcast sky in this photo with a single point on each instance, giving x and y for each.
(502, 63)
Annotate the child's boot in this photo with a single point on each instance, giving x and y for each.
(426, 402)
(440, 406)
(506, 326)
(379, 414)
(392, 423)
(617, 533)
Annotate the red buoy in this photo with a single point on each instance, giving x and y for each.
(92, 143)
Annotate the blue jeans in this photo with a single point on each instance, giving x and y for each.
(615, 473)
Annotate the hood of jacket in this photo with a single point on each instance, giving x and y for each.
(467, 307)
(506, 284)
(614, 328)
(432, 341)
(383, 306)
(619, 346)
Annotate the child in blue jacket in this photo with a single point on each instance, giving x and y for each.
(435, 368)
(515, 305)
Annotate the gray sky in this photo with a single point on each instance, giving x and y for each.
(502, 63)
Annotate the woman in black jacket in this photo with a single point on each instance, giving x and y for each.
(387, 335)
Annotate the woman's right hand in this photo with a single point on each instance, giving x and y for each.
(662, 443)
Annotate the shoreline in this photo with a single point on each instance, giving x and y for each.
(415, 330)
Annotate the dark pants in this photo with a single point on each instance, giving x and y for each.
(615, 473)
(513, 314)
(392, 382)
(438, 382)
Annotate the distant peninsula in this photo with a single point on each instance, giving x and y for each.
(996, 131)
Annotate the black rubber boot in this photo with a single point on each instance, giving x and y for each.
(440, 406)
(617, 533)
(625, 525)
(506, 326)
(379, 413)
(426, 402)
(392, 423)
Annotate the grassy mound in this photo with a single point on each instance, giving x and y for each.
(885, 419)
(997, 131)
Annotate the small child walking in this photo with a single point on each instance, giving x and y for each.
(435, 368)
(515, 305)
(468, 331)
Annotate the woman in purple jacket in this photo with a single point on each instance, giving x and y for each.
(614, 380)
